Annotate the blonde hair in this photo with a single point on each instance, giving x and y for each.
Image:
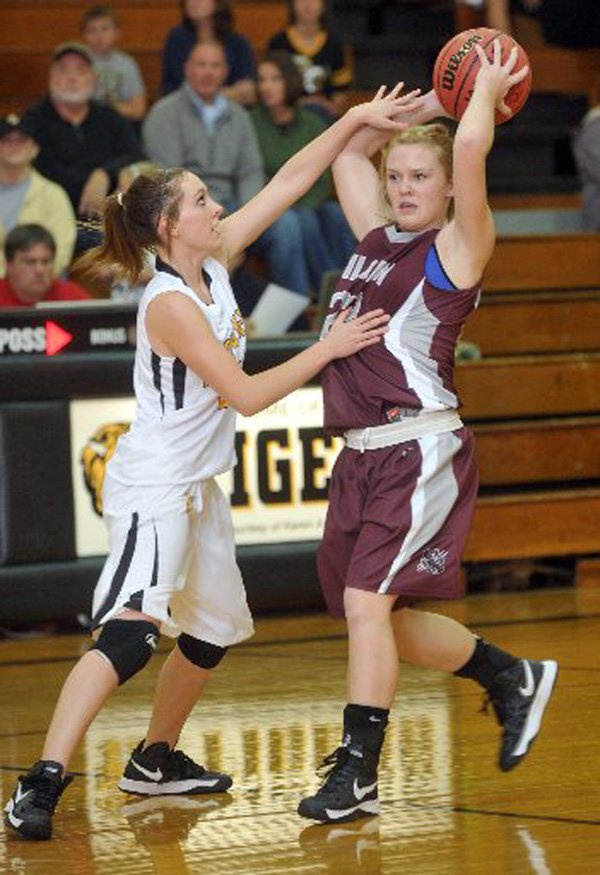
(437, 136)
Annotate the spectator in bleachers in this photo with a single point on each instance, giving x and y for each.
(83, 144)
(567, 23)
(29, 251)
(119, 82)
(208, 20)
(320, 55)
(199, 128)
(586, 149)
(283, 128)
(26, 196)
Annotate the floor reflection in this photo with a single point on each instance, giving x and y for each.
(270, 716)
(344, 847)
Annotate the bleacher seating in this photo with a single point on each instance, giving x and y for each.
(543, 262)
(534, 402)
(31, 30)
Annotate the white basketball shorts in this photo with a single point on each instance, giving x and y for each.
(172, 557)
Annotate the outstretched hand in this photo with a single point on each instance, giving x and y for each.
(498, 77)
(347, 337)
(389, 111)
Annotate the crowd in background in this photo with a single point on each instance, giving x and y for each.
(94, 130)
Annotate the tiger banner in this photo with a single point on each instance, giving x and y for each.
(277, 491)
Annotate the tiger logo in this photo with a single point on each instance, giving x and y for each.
(95, 456)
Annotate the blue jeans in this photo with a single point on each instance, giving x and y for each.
(337, 232)
(327, 239)
(304, 243)
(281, 245)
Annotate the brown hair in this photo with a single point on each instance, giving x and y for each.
(222, 19)
(24, 237)
(437, 136)
(323, 19)
(98, 11)
(130, 224)
(292, 78)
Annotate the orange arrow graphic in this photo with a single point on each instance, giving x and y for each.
(56, 338)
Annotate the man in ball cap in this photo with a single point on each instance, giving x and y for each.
(83, 145)
(28, 197)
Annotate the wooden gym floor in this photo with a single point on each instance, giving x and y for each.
(270, 715)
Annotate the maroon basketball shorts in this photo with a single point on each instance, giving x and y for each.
(398, 519)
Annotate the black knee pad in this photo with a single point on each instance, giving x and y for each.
(200, 653)
(128, 645)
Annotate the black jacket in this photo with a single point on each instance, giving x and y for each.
(69, 153)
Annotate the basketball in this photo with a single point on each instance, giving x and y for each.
(457, 65)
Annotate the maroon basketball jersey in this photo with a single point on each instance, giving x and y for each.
(413, 366)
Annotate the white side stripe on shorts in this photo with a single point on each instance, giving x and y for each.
(434, 495)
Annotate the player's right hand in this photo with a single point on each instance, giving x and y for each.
(347, 336)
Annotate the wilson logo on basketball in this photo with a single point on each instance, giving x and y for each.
(453, 62)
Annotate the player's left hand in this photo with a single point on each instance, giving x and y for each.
(389, 111)
(498, 77)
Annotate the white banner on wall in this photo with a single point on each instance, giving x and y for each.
(278, 491)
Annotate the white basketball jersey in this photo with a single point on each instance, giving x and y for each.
(182, 432)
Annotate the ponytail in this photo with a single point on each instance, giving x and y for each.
(130, 225)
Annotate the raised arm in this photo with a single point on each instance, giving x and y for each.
(355, 176)
(177, 327)
(466, 243)
(303, 169)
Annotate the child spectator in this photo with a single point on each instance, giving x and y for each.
(119, 82)
(208, 20)
(26, 196)
(29, 251)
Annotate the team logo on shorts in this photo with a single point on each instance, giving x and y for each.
(433, 561)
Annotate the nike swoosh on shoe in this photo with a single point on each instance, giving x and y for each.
(361, 792)
(153, 776)
(9, 808)
(528, 688)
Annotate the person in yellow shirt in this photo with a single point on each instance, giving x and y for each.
(27, 197)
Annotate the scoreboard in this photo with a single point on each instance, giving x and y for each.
(73, 327)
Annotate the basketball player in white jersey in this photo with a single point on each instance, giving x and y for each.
(403, 489)
(172, 564)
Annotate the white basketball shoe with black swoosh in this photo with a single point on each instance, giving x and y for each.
(349, 789)
(519, 696)
(158, 771)
(29, 810)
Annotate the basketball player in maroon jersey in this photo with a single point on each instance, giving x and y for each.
(403, 489)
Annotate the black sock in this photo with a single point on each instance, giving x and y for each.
(364, 725)
(485, 663)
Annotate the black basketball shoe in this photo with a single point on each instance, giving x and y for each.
(29, 810)
(349, 790)
(158, 770)
(519, 696)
